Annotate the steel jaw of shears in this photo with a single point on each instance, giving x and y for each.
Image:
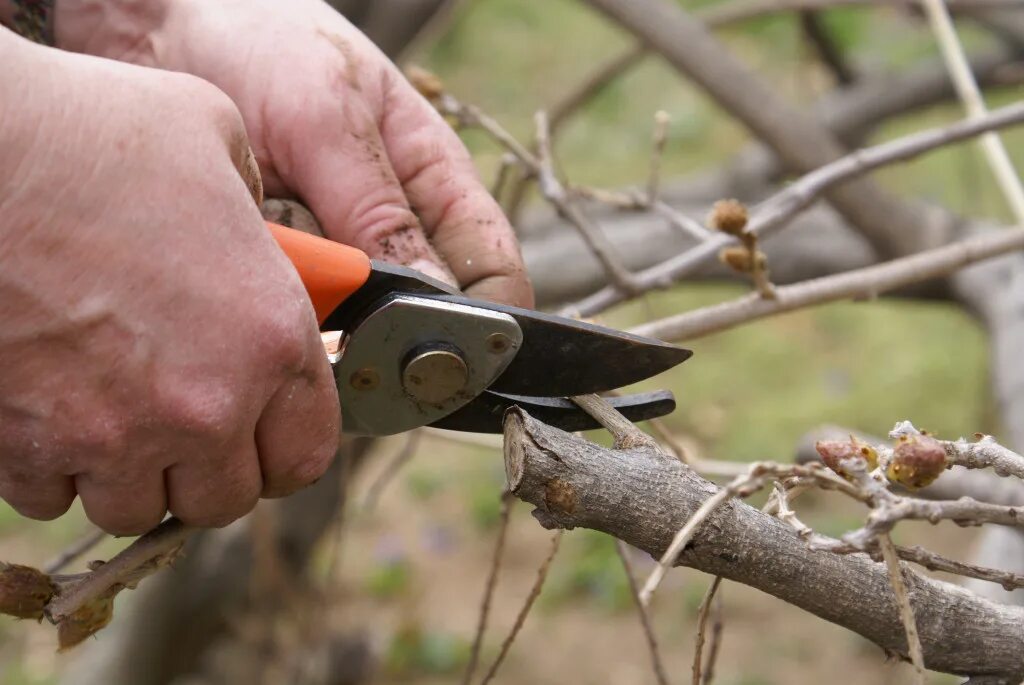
(415, 352)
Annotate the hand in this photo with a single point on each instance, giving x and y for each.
(157, 350)
(332, 122)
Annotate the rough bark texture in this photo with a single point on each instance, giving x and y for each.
(643, 497)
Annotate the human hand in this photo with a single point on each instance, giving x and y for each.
(157, 350)
(332, 122)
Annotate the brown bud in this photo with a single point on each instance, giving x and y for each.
(917, 460)
(24, 591)
(739, 259)
(88, 620)
(834, 452)
(426, 82)
(728, 216)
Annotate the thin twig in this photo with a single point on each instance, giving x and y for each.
(865, 283)
(658, 141)
(554, 192)
(143, 557)
(393, 467)
(724, 14)
(702, 621)
(665, 435)
(542, 574)
(505, 165)
(717, 626)
(967, 88)
(753, 480)
(507, 500)
(627, 435)
(645, 619)
(777, 211)
(75, 550)
(899, 589)
(828, 51)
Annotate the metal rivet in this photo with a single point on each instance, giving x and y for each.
(497, 343)
(435, 376)
(365, 379)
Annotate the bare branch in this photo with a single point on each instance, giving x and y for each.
(868, 282)
(801, 142)
(744, 10)
(899, 589)
(394, 466)
(967, 88)
(542, 574)
(775, 212)
(825, 47)
(643, 498)
(554, 193)
(626, 434)
(492, 582)
(702, 621)
(76, 550)
(645, 621)
(143, 557)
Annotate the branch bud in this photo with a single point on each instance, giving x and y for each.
(739, 258)
(728, 216)
(834, 452)
(917, 460)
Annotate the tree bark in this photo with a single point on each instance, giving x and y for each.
(643, 497)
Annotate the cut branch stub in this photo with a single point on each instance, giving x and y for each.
(644, 497)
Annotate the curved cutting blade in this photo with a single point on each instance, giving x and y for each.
(560, 357)
(486, 413)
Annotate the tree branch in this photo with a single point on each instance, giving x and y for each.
(643, 497)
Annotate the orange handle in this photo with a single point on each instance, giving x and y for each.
(330, 271)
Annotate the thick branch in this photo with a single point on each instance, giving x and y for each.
(644, 498)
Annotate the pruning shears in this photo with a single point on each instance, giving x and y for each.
(416, 352)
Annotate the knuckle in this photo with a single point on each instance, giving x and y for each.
(285, 332)
(122, 523)
(214, 107)
(39, 508)
(216, 510)
(209, 412)
(303, 470)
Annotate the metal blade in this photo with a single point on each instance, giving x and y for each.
(558, 356)
(486, 413)
(561, 357)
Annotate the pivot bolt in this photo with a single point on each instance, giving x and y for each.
(435, 376)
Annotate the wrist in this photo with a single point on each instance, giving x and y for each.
(116, 29)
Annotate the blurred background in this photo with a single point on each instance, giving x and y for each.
(402, 578)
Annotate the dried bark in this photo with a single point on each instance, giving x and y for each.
(643, 497)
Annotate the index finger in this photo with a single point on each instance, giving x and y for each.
(462, 220)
